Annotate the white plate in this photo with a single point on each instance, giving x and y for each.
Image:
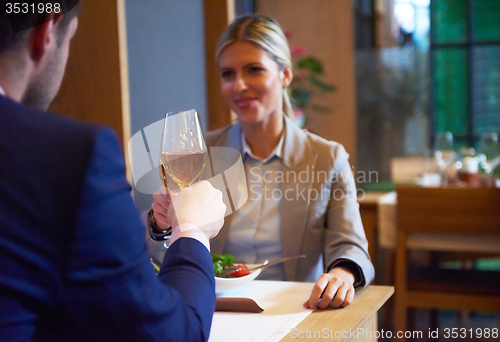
(228, 284)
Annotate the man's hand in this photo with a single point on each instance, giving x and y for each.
(335, 289)
(196, 212)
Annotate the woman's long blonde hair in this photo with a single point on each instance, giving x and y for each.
(266, 33)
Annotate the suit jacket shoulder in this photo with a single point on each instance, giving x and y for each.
(59, 151)
(333, 154)
(74, 264)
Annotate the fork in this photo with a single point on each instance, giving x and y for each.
(232, 269)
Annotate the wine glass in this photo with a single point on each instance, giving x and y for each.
(488, 150)
(183, 152)
(444, 153)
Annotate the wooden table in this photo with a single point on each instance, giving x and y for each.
(285, 319)
(357, 322)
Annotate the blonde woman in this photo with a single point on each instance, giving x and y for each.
(302, 195)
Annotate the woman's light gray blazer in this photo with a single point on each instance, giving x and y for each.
(319, 214)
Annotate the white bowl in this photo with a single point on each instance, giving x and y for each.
(229, 284)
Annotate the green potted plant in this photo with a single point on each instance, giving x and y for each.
(307, 83)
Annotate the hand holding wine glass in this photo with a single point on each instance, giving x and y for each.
(183, 152)
(197, 209)
(161, 204)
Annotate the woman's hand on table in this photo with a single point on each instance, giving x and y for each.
(161, 203)
(333, 289)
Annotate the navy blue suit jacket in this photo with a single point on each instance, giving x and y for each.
(73, 262)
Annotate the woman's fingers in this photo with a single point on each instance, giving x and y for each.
(330, 290)
(349, 297)
(160, 206)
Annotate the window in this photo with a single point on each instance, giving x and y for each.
(423, 67)
(465, 68)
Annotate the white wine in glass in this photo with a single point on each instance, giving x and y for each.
(444, 153)
(489, 152)
(183, 153)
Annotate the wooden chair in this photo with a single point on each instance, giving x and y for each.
(449, 219)
(408, 169)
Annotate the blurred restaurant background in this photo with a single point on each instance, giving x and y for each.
(411, 88)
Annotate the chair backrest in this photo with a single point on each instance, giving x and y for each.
(458, 210)
(408, 169)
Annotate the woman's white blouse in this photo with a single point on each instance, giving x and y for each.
(255, 235)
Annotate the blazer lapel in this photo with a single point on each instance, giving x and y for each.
(217, 244)
(299, 160)
(298, 167)
(229, 138)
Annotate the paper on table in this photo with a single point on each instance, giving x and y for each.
(283, 310)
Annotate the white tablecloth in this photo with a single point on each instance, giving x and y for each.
(283, 310)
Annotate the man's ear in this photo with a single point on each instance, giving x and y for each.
(44, 36)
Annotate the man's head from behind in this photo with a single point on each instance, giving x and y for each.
(34, 48)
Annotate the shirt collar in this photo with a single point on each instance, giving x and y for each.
(2, 92)
(278, 151)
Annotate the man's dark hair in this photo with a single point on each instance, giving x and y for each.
(14, 27)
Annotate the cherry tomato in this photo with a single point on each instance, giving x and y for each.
(240, 273)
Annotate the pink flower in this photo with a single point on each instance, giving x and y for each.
(300, 118)
(296, 51)
(300, 75)
(299, 113)
(288, 34)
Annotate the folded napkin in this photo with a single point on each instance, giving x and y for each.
(237, 305)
